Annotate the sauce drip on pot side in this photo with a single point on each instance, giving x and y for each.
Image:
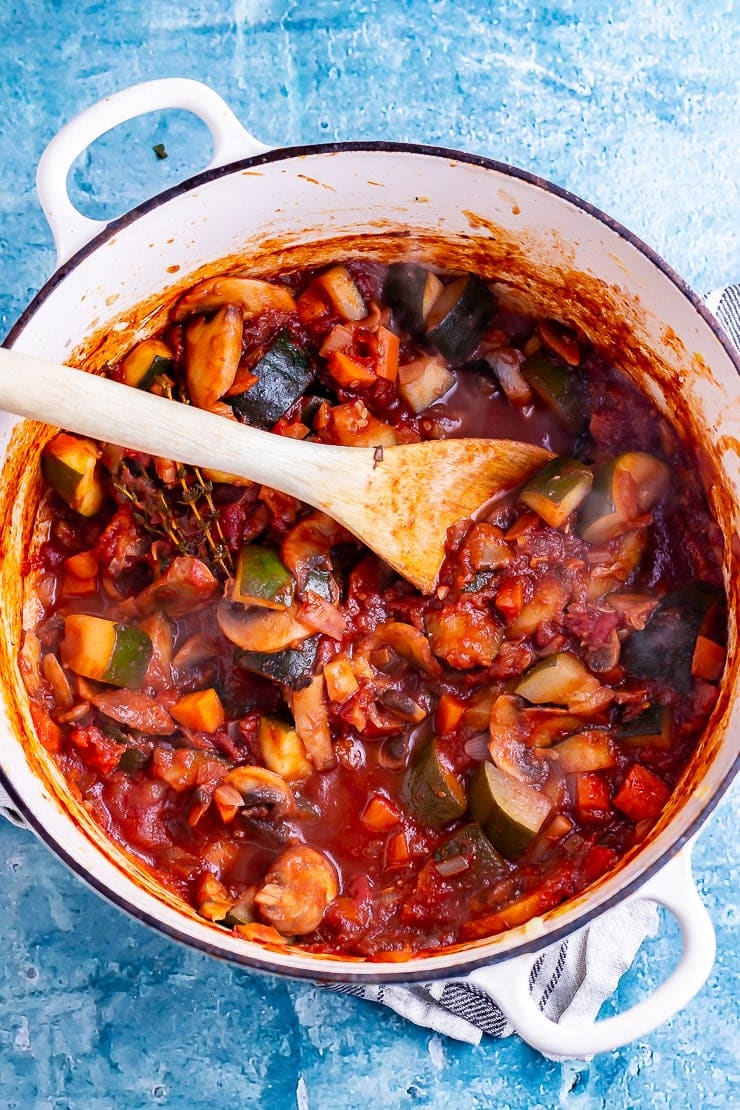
(289, 735)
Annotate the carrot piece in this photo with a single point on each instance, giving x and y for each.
(397, 852)
(388, 345)
(642, 794)
(709, 659)
(592, 794)
(291, 429)
(379, 814)
(201, 711)
(312, 306)
(450, 711)
(83, 565)
(348, 372)
(510, 598)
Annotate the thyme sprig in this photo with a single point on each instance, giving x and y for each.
(183, 514)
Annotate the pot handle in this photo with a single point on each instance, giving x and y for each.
(70, 228)
(508, 984)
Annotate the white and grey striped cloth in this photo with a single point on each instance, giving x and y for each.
(571, 979)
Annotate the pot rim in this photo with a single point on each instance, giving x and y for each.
(415, 969)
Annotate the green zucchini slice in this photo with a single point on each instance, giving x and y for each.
(410, 291)
(459, 317)
(589, 750)
(653, 728)
(624, 488)
(146, 362)
(469, 852)
(284, 374)
(510, 812)
(556, 490)
(435, 795)
(292, 668)
(559, 387)
(560, 679)
(105, 650)
(262, 579)
(70, 466)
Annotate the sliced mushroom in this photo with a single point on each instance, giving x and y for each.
(263, 790)
(250, 295)
(135, 710)
(256, 629)
(405, 640)
(311, 712)
(212, 352)
(297, 890)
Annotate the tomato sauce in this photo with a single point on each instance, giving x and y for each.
(289, 735)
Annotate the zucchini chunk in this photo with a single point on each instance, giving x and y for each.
(510, 812)
(434, 794)
(459, 316)
(559, 387)
(424, 381)
(146, 362)
(342, 292)
(70, 466)
(282, 750)
(469, 853)
(291, 668)
(283, 375)
(557, 490)
(653, 728)
(589, 750)
(262, 579)
(624, 489)
(105, 651)
(663, 651)
(562, 679)
(411, 290)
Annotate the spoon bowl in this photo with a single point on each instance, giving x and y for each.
(399, 501)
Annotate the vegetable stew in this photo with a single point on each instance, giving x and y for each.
(290, 736)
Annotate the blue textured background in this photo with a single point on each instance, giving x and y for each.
(631, 104)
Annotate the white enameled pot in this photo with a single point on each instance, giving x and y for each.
(262, 209)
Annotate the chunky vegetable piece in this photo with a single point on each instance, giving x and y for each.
(280, 377)
(262, 579)
(624, 490)
(70, 466)
(557, 489)
(105, 650)
(510, 812)
(148, 361)
(289, 736)
(434, 793)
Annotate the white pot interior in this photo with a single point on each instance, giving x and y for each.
(284, 209)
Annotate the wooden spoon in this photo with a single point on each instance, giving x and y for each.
(399, 501)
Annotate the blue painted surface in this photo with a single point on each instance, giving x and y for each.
(632, 105)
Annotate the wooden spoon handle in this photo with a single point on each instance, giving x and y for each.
(116, 413)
